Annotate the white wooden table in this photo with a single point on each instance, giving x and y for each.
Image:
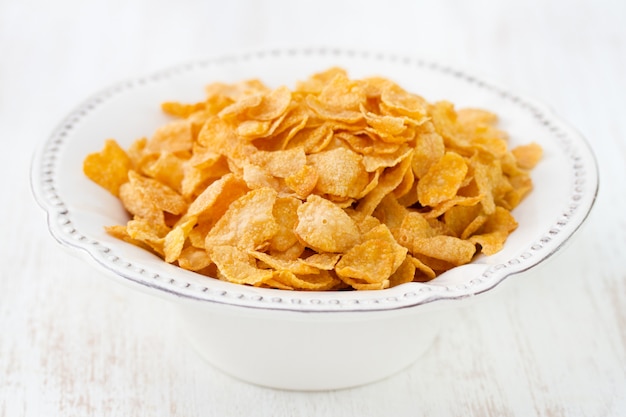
(73, 343)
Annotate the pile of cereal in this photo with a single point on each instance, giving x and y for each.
(336, 184)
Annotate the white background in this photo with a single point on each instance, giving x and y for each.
(73, 343)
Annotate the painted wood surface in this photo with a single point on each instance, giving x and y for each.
(74, 343)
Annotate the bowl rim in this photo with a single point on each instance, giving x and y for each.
(174, 282)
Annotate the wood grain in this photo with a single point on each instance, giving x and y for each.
(73, 343)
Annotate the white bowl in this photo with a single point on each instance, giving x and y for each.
(307, 340)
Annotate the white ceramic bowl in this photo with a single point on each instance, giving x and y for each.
(307, 340)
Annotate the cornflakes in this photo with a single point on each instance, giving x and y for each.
(336, 184)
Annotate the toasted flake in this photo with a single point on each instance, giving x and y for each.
(248, 223)
(325, 227)
(108, 168)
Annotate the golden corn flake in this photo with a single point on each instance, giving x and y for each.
(371, 262)
(527, 156)
(235, 265)
(248, 223)
(157, 193)
(303, 181)
(288, 280)
(175, 239)
(174, 137)
(335, 184)
(108, 168)
(285, 211)
(442, 181)
(324, 226)
(194, 259)
(340, 173)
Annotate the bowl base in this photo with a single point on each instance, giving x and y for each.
(303, 352)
